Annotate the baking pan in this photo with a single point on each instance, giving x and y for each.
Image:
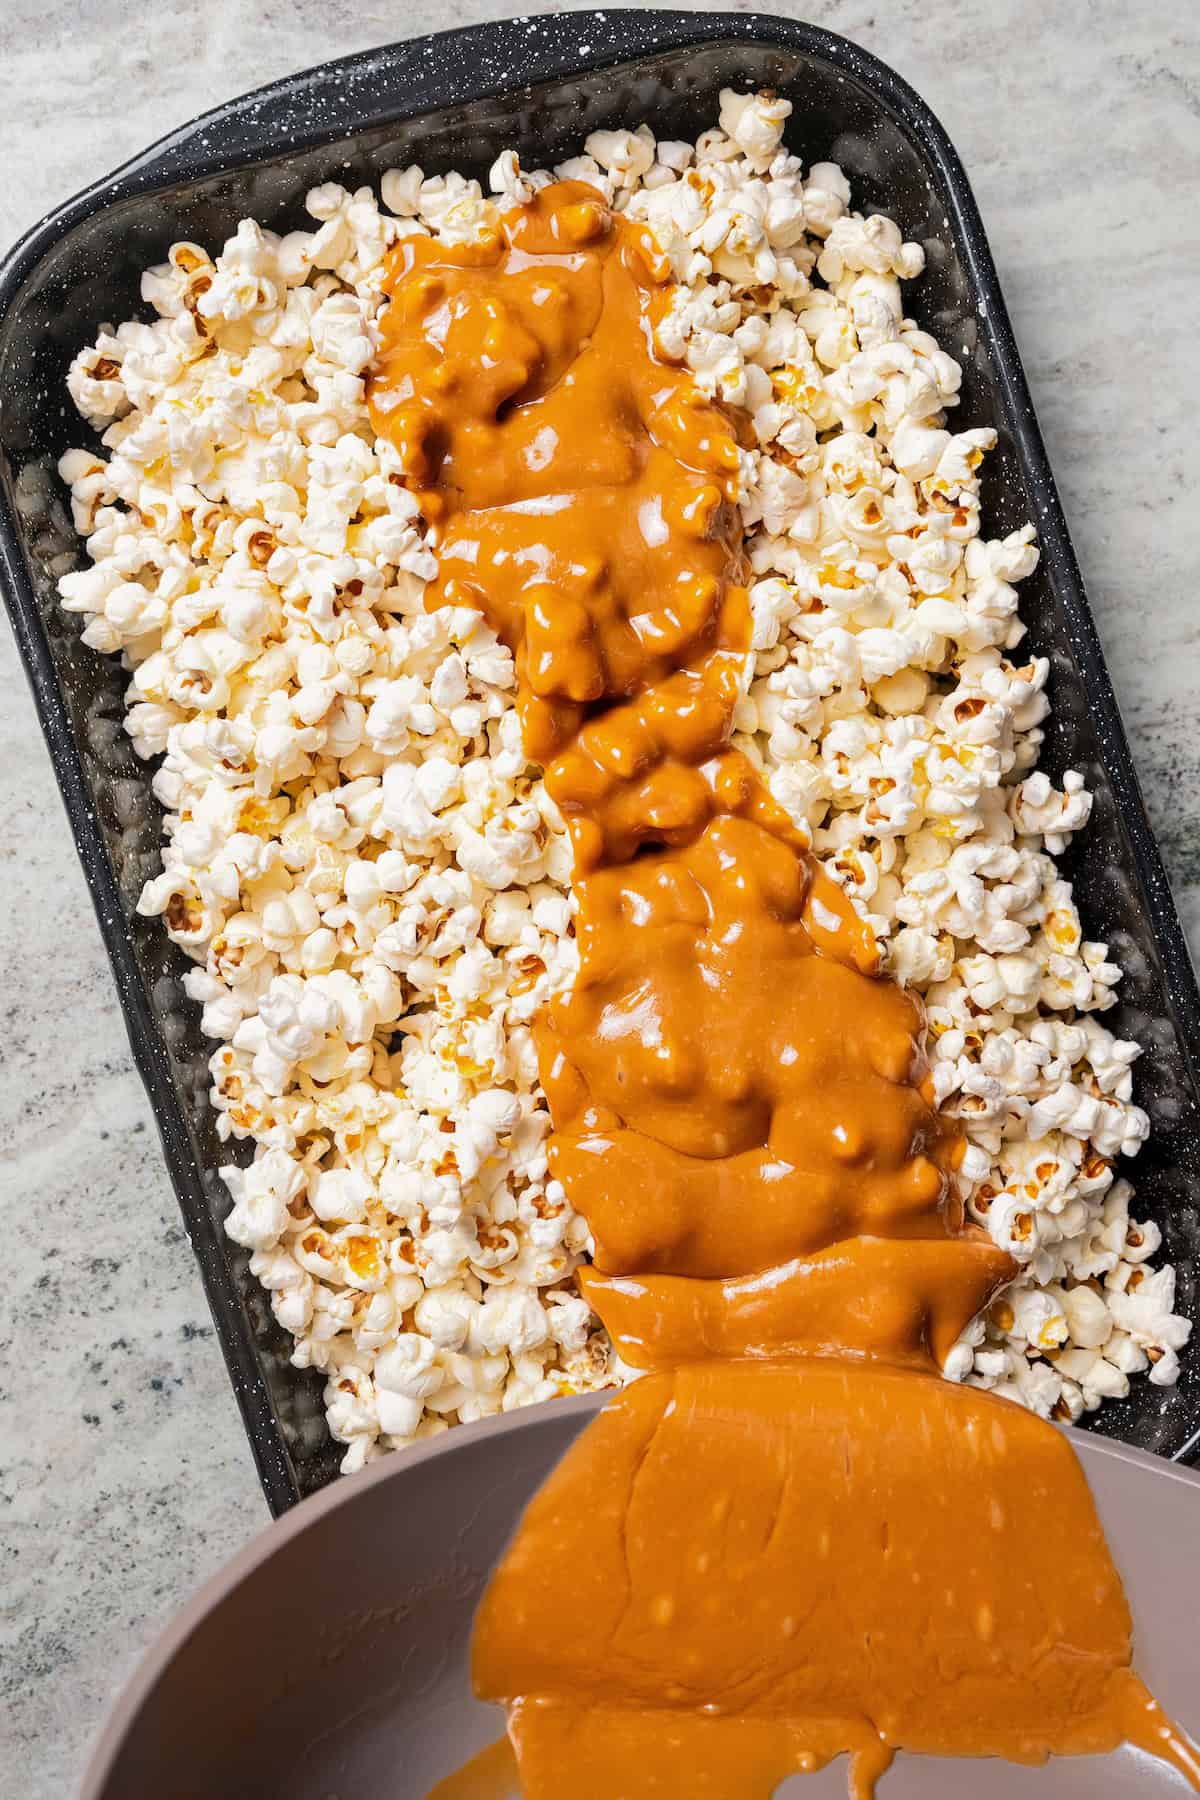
(450, 101)
(333, 1649)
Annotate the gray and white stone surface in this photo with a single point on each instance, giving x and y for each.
(124, 1474)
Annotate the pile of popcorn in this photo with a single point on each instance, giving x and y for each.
(372, 882)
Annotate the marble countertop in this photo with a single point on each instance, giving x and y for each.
(125, 1478)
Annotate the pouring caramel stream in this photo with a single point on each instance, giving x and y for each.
(762, 1555)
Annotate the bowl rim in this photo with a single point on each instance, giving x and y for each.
(278, 1533)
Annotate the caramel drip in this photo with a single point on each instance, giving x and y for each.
(753, 1561)
(780, 1562)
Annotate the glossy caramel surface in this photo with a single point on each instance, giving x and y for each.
(789, 1560)
(732, 1085)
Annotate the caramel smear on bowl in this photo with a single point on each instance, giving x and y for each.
(760, 1556)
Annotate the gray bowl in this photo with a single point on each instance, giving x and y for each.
(328, 1661)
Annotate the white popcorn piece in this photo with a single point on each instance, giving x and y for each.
(506, 180)
(625, 155)
(826, 197)
(754, 123)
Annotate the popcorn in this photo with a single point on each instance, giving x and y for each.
(373, 886)
(1038, 810)
(625, 155)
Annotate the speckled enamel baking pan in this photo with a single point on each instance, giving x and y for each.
(451, 101)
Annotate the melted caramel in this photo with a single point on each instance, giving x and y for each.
(865, 1298)
(777, 1563)
(773, 1550)
(746, 1566)
(765, 1095)
(727, 1040)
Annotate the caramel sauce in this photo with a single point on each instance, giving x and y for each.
(490, 1775)
(867, 1298)
(794, 1540)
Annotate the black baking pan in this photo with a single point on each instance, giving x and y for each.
(452, 101)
